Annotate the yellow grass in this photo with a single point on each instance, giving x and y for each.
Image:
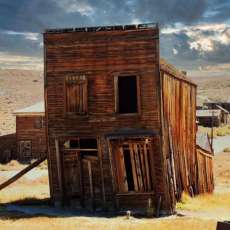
(203, 212)
(227, 150)
(119, 223)
(206, 202)
(217, 131)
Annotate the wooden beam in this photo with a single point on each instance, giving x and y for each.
(21, 173)
(59, 170)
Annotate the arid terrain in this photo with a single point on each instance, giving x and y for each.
(18, 89)
(214, 88)
(24, 205)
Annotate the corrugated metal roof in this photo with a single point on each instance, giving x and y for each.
(36, 108)
(208, 112)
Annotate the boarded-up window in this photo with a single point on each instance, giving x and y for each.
(76, 94)
(25, 148)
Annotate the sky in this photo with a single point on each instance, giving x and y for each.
(195, 34)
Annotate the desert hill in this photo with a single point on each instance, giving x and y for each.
(18, 89)
(214, 88)
(21, 88)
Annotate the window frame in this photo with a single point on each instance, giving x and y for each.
(19, 148)
(82, 149)
(68, 113)
(116, 93)
(39, 122)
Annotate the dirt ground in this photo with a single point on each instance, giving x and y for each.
(198, 213)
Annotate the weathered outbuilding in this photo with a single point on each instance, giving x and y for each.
(121, 123)
(209, 117)
(30, 132)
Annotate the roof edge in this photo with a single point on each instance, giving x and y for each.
(173, 71)
(103, 28)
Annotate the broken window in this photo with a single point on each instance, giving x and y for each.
(127, 94)
(25, 148)
(76, 94)
(86, 146)
(133, 164)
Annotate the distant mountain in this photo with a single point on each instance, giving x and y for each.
(214, 88)
(18, 89)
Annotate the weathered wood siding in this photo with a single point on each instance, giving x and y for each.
(26, 130)
(205, 182)
(101, 56)
(179, 115)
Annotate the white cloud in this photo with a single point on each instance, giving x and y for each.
(73, 6)
(203, 36)
(175, 51)
(27, 35)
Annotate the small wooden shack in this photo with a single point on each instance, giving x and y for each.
(30, 132)
(121, 123)
(209, 117)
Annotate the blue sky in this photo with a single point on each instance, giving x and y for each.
(195, 34)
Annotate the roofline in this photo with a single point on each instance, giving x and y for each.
(28, 114)
(102, 28)
(174, 72)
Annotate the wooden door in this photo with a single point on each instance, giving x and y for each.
(72, 173)
(132, 163)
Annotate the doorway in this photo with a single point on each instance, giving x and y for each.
(133, 165)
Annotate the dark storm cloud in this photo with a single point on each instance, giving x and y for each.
(24, 16)
(34, 16)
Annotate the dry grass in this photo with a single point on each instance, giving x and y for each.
(119, 223)
(12, 165)
(203, 211)
(206, 202)
(217, 131)
(227, 150)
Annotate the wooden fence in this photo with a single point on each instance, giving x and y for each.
(205, 179)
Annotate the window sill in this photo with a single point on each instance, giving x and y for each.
(134, 193)
(127, 114)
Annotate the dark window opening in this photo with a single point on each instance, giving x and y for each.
(128, 168)
(86, 146)
(88, 143)
(89, 153)
(73, 144)
(127, 94)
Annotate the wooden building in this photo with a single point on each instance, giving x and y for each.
(209, 117)
(30, 132)
(121, 123)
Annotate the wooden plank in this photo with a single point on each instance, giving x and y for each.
(136, 187)
(138, 168)
(91, 185)
(147, 168)
(21, 173)
(142, 163)
(59, 170)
